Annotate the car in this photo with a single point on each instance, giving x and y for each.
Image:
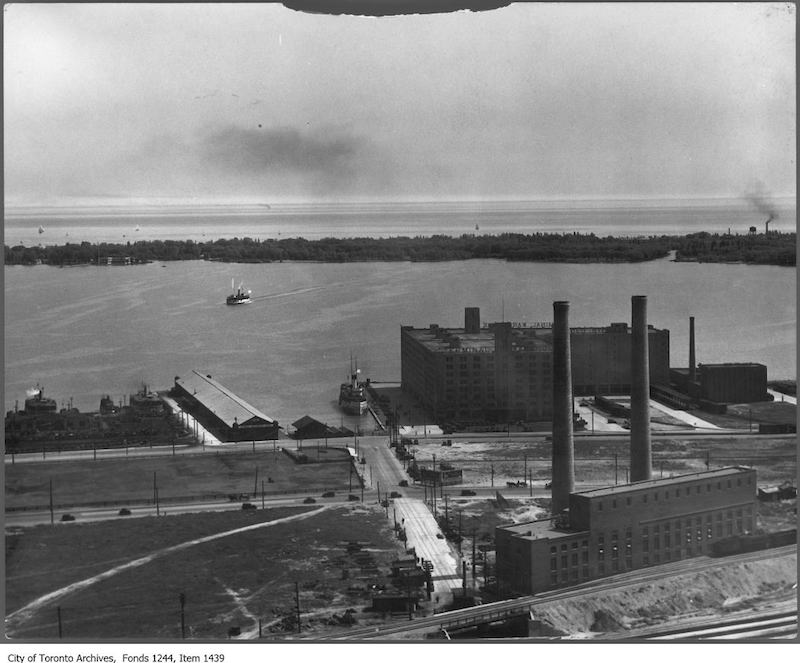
(467, 493)
(353, 498)
(330, 493)
(404, 483)
(124, 512)
(394, 494)
(67, 517)
(247, 506)
(309, 500)
(439, 535)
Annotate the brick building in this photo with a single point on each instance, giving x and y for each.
(626, 527)
(503, 371)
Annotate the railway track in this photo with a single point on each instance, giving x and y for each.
(774, 625)
(500, 610)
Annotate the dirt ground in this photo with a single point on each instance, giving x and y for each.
(231, 582)
(751, 586)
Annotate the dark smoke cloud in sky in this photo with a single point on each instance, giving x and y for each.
(280, 150)
(760, 200)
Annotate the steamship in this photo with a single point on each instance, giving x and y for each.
(239, 297)
(352, 395)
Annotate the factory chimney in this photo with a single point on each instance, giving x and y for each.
(563, 449)
(641, 453)
(692, 362)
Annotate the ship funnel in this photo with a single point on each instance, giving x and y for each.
(563, 482)
(641, 452)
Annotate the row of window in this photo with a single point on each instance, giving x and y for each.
(693, 533)
(699, 489)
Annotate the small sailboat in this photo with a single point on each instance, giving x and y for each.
(41, 230)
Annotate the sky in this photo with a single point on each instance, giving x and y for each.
(260, 103)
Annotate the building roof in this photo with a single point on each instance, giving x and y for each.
(540, 529)
(530, 336)
(222, 402)
(666, 481)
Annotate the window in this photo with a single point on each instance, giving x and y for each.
(646, 560)
(554, 578)
(574, 559)
(563, 561)
(697, 489)
(613, 504)
(585, 557)
(574, 544)
(628, 501)
(563, 546)
(599, 506)
(553, 563)
(677, 492)
(708, 487)
(601, 568)
(644, 498)
(655, 497)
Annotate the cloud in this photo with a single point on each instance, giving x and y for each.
(329, 155)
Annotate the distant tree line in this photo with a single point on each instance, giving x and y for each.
(775, 249)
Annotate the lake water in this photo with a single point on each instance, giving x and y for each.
(204, 223)
(82, 332)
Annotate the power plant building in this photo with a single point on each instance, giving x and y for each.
(223, 413)
(503, 371)
(626, 527)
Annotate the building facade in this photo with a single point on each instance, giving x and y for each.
(503, 371)
(626, 527)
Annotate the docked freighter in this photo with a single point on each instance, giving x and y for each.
(239, 297)
(352, 395)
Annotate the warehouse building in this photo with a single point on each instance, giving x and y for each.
(228, 417)
(503, 371)
(626, 527)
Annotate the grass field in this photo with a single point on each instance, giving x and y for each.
(130, 480)
(233, 581)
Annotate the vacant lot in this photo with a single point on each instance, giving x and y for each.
(604, 460)
(131, 480)
(229, 582)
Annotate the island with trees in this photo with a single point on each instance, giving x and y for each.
(766, 249)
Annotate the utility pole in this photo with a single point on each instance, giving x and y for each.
(262, 493)
(58, 613)
(255, 484)
(434, 485)
(530, 483)
(446, 512)
(379, 492)
(350, 488)
(524, 468)
(182, 599)
(155, 494)
(616, 469)
(297, 604)
(492, 466)
(474, 532)
(708, 459)
(52, 517)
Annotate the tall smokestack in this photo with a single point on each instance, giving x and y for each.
(641, 452)
(692, 363)
(563, 448)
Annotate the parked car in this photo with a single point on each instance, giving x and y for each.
(247, 506)
(67, 517)
(404, 483)
(309, 500)
(439, 535)
(395, 494)
(467, 492)
(330, 493)
(124, 512)
(353, 498)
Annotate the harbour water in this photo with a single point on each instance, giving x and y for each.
(82, 332)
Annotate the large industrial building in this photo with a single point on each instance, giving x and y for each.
(221, 412)
(626, 527)
(503, 371)
(595, 533)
